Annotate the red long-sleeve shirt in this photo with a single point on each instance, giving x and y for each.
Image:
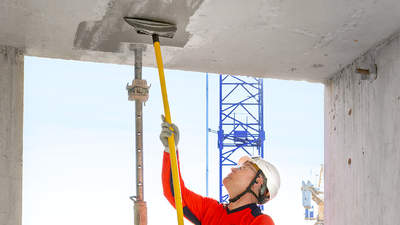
(207, 211)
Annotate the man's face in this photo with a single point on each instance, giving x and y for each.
(240, 177)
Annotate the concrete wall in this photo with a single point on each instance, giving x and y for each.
(362, 141)
(11, 123)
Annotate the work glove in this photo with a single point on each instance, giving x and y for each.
(167, 132)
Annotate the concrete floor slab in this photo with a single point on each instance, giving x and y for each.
(301, 40)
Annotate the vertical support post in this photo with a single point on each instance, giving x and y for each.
(139, 131)
(140, 208)
(11, 131)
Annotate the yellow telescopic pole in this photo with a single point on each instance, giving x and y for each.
(171, 140)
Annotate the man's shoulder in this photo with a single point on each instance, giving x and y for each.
(263, 219)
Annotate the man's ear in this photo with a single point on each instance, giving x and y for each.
(259, 180)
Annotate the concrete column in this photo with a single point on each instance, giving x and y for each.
(362, 140)
(11, 123)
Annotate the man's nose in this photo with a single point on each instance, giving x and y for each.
(234, 169)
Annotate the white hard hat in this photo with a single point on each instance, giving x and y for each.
(270, 172)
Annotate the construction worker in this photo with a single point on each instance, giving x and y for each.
(254, 181)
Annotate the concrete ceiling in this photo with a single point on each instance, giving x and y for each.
(300, 40)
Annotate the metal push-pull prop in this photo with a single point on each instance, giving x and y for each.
(161, 29)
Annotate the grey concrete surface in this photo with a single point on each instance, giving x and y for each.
(362, 141)
(300, 40)
(11, 124)
(109, 33)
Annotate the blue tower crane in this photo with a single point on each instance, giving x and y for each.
(241, 123)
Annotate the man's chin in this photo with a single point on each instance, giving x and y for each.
(225, 181)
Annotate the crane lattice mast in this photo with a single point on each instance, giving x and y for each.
(241, 123)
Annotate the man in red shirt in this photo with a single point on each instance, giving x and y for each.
(255, 181)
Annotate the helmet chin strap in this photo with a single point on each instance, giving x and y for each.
(248, 189)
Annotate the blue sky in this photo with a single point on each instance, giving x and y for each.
(79, 141)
